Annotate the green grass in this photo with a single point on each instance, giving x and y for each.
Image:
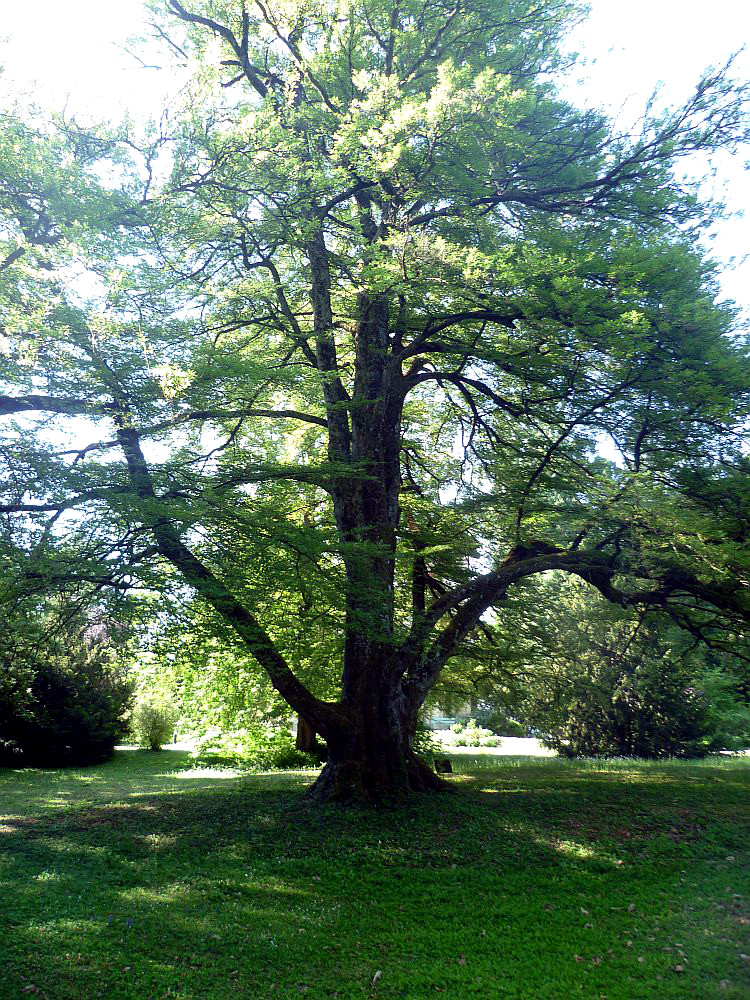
(533, 880)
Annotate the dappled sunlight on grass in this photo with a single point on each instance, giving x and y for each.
(157, 881)
(215, 773)
(582, 852)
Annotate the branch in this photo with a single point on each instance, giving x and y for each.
(322, 477)
(308, 418)
(12, 257)
(455, 378)
(423, 656)
(214, 591)
(252, 73)
(50, 404)
(297, 57)
(421, 344)
(166, 425)
(60, 506)
(569, 427)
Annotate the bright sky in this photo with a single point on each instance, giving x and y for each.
(73, 51)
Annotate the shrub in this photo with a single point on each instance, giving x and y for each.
(646, 710)
(727, 717)
(260, 748)
(280, 753)
(609, 682)
(497, 719)
(153, 721)
(68, 709)
(425, 745)
(470, 735)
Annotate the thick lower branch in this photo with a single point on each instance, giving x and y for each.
(211, 589)
(49, 404)
(424, 653)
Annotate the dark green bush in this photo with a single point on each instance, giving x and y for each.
(68, 708)
(648, 709)
(600, 680)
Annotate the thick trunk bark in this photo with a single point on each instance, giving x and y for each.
(371, 758)
(373, 770)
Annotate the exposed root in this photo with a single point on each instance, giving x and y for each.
(355, 781)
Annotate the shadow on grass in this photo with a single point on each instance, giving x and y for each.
(151, 883)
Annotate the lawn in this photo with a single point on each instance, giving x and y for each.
(532, 879)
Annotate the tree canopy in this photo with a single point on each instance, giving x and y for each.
(337, 345)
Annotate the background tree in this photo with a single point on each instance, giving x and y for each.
(65, 689)
(153, 721)
(601, 680)
(348, 364)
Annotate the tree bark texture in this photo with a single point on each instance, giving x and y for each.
(371, 757)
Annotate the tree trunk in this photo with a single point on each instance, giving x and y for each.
(372, 771)
(371, 758)
(307, 740)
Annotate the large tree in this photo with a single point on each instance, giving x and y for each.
(349, 337)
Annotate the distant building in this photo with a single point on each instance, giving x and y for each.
(439, 718)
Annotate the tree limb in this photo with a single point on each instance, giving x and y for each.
(215, 592)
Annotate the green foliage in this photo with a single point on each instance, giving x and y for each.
(636, 710)
(727, 709)
(497, 719)
(473, 735)
(257, 748)
(346, 355)
(62, 705)
(425, 744)
(188, 655)
(602, 681)
(153, 720)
